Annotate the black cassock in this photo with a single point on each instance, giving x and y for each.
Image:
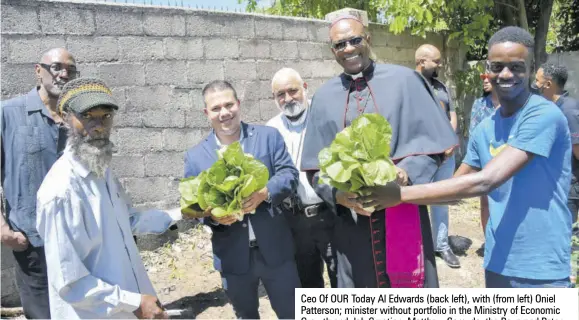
(421, 133)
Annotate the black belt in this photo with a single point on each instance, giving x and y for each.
(313, 210)
(253, 243)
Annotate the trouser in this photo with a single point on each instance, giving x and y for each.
(440, 213)
(312, 237)
(32, 282)
(495, 280)
(279, 282)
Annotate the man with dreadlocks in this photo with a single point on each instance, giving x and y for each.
(378, 249)
(520, 157)
(86, 220)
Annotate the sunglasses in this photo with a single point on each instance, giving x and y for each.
(58, 68)
(341, 45)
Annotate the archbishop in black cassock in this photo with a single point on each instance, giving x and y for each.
(421, 134)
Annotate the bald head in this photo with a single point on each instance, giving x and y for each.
(428, 60)
(286, 75)
(56, 67)
(289, 93)
(426, 51)
(55, 54)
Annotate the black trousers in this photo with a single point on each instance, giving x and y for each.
(32, 282)
(313, 242)
(279, 282)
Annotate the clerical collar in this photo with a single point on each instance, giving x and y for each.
(366, 73)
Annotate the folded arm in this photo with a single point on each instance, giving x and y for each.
(61, 225)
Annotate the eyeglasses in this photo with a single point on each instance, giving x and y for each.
(515, 66)
(341, 45)
(58, 68)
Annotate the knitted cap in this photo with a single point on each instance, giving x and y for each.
(82, 94)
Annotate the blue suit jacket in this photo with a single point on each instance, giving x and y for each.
(272, 232)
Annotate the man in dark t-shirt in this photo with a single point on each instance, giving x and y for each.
(428, 61)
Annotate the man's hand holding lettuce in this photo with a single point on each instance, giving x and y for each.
(234, 185)
(359, 159)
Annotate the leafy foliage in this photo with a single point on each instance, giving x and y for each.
(359, 156)
(222, 187)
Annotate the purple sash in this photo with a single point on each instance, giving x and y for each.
(404, 253)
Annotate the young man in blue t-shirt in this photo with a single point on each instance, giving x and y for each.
(521, 158)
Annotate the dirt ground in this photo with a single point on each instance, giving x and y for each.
(184, 278)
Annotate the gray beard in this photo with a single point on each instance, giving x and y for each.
(293, 109)
(96, 155)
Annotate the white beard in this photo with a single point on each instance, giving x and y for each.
(96, 155)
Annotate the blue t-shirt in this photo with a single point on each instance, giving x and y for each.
(528, 234)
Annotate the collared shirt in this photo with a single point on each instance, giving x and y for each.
(443, 94)
(481, 108)
(31, 143)
(93, 264)
(293, 137)
(241, 140)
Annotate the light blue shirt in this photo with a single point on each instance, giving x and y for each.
(528, 234)
(94, 268)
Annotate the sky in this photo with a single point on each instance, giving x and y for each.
(230, 5)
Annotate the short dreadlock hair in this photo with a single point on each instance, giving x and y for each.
(513, 34)
(557, 73)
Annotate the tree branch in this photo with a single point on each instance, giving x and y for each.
(507, 5)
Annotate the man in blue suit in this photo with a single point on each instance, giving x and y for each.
(260, 247)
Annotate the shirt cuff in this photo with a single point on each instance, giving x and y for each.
(130, 301)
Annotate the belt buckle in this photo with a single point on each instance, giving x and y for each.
(308, 211)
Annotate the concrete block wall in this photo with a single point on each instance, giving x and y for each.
(158, 59)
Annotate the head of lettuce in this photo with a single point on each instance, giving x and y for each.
(223, 187)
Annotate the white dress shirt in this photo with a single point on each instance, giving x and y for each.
(293, 135)
(87, 224)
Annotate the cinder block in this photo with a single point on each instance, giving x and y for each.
(30, 49)
(119, 22)
(164, 25)
(268, 110)
(164, 164)
(166, 72)
(128, 119)
(312, 51)
(266, 69)
(221, 25)
(240, 70)
(202, 72)
(151, 189)
(160, 119)
(254, 48)
(182, 139)
(269, 28)
(20, 20)
(183, 48)
(255, 90)
(140, 48)
(220, 48)
(128, 165)
(284, 50)
(93, 49)
(137, 140)
(295, 30)
(320, 32)
(122, 74)
(250, 112)
(161, 99)
(17, 78)
(59, 20)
